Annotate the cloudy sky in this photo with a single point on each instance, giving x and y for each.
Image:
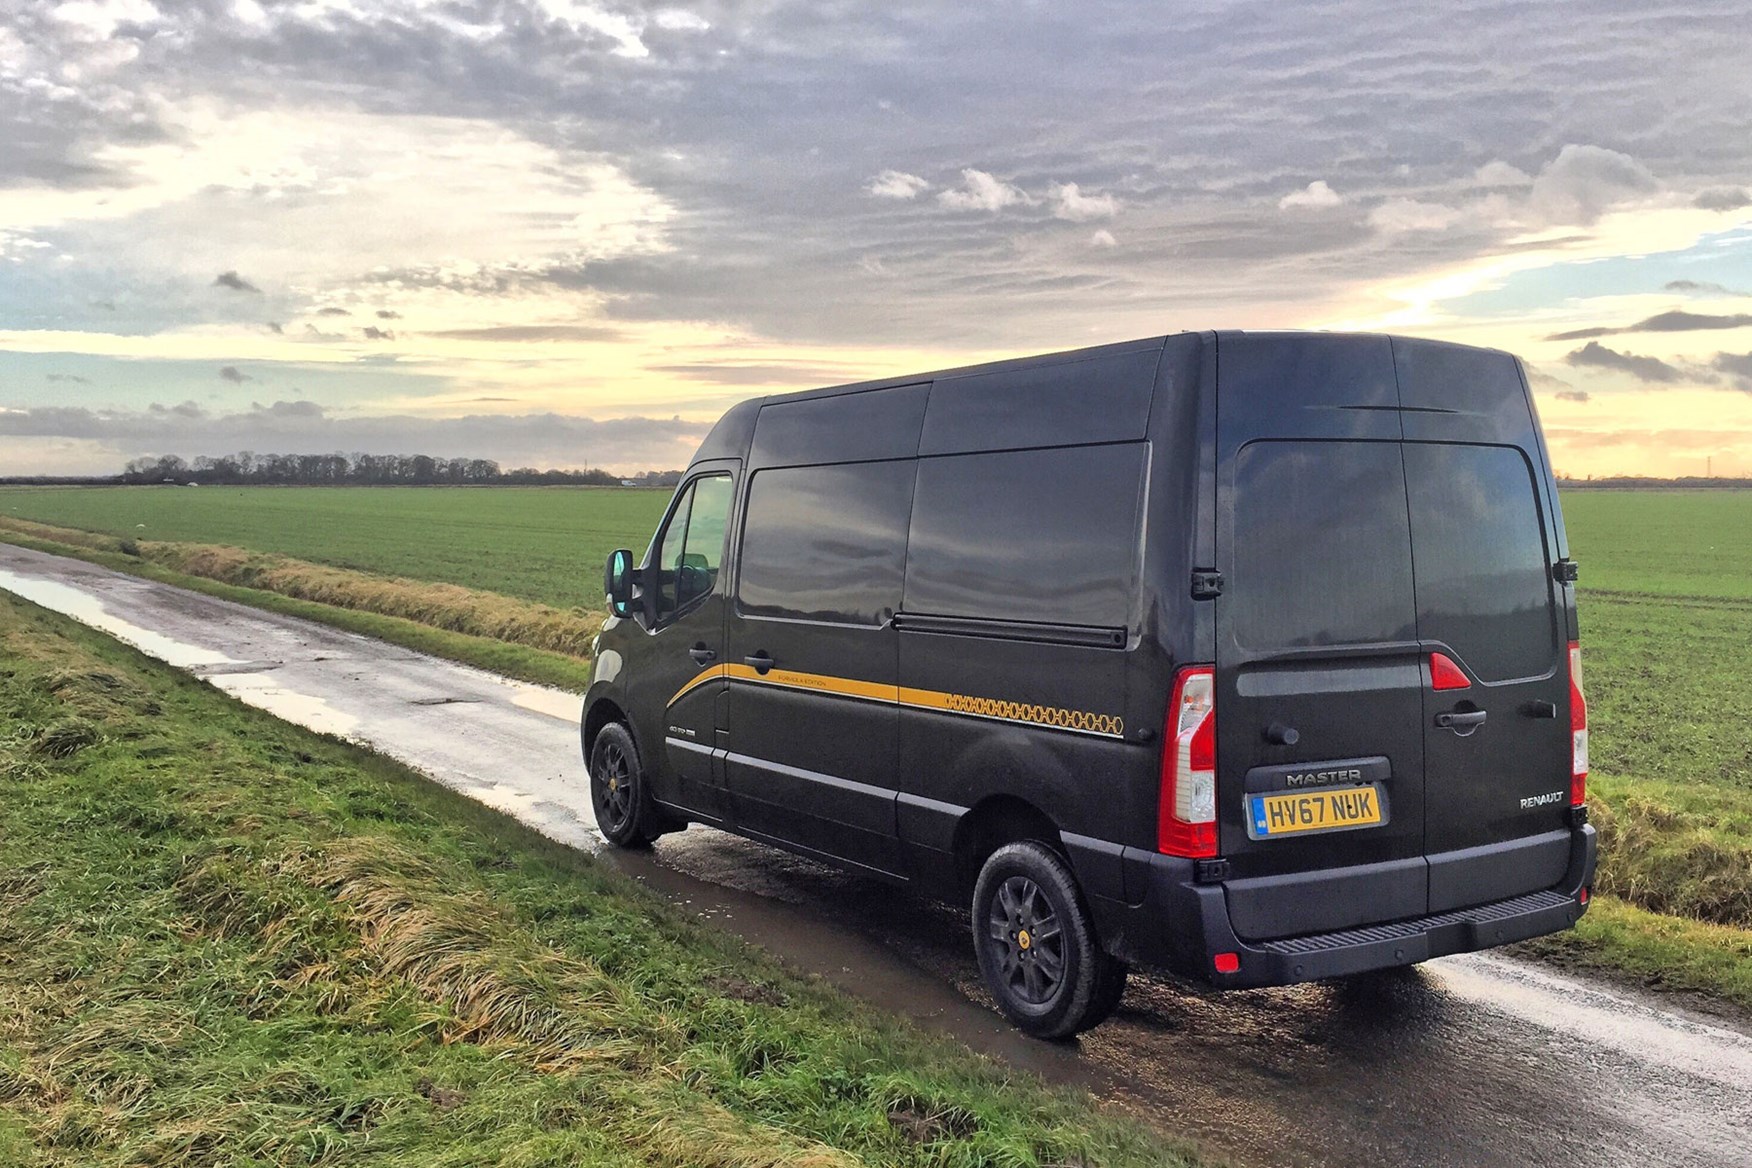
(563, 233)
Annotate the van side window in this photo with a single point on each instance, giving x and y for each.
(692, 550)
(1483, 581)
(1322, 550)
(826, 543)
(1046, 536)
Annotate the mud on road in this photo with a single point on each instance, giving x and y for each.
(1474, 1060)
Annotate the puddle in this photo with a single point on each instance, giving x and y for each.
(261, 691)
(89, 610)
(555, 703)
(1601, 1017)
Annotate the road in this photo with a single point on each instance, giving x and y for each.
(1473, 1060)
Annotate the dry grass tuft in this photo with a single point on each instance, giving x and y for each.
(443, 606)
(65, 738)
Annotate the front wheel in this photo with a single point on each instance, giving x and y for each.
(618, 795)
(1037, 946)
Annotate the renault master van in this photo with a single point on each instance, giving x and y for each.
(1248, 657)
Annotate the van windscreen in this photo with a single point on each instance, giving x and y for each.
(1322, 551)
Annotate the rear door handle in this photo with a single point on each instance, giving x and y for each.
(703, 653)
(1461, 723)
(759, 662)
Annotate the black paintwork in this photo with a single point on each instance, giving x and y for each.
(1026, 535)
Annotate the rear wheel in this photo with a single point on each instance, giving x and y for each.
(1037, 946)
(618, 795)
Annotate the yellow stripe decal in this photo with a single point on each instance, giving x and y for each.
(1026, 713)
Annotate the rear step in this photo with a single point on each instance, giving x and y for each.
(1482, 915)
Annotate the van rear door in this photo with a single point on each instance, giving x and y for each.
(1484, 539)
(1319, 671)
(1381, 501)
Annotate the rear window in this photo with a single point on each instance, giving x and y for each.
(1483, 581)
(1322, 550)
(826, 543)
(1041, 536)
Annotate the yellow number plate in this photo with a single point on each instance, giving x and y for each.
(1306, 811)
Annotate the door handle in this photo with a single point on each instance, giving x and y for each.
(703, 653)
(760, 662)
(1462, 723)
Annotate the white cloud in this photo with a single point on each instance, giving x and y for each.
(1584, 182)
(1071, 203)
(1402, 215)
(321, 197)
(98, 19)
(897, 184)
(1102, 238)
(980, 191)
(1497, 173)
(1315, 196)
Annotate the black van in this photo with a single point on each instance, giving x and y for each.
(1245, 656)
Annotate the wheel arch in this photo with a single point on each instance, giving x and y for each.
(601, 712)
(993, 822)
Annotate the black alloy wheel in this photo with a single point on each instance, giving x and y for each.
(623, 808)
(1037, 946)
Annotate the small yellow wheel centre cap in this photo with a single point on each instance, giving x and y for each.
(614, 784)
(1023, 939)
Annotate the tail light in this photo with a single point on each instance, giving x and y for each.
(1186, 821)
(1578, 730)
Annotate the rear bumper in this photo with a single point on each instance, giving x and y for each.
(1181, 925)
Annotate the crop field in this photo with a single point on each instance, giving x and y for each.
(545, 544)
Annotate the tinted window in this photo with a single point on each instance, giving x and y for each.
(1033, 535)
(826, 542)
(1483, 584)
(692, 550)
(1322, 550)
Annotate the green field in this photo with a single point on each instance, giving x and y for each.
(545, 544)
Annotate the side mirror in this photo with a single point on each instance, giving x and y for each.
(617, 583)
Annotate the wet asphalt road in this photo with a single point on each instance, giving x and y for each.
(1475, 1060)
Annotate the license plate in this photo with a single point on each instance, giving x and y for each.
(1301, 812)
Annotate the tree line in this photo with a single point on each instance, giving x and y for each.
(368, 470)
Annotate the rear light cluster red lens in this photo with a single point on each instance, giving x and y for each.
(1186, 820)
(1444, 674)
(1578, 730)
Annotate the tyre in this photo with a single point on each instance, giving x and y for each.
(618, 794)
(1037, 946)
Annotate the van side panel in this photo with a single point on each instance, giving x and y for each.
(1102, 398)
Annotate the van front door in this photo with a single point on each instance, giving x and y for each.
(675, 689)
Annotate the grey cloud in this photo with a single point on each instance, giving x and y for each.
(1677, 321)
(1651, 369)
(387, 314)
(1704, 287)
(543, 440)
(234, 282)
(333, 311)
(373, 333)
(1722, 199)
(275, 327)
(72, 378)
(1572, 395)
(234, 375)
(532, 332)
(1246, 101)
(1737, 367)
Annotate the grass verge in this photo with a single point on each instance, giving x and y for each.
(224, 939)
(544, 667)
(1655, 951)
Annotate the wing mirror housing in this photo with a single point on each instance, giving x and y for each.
(617, 582)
